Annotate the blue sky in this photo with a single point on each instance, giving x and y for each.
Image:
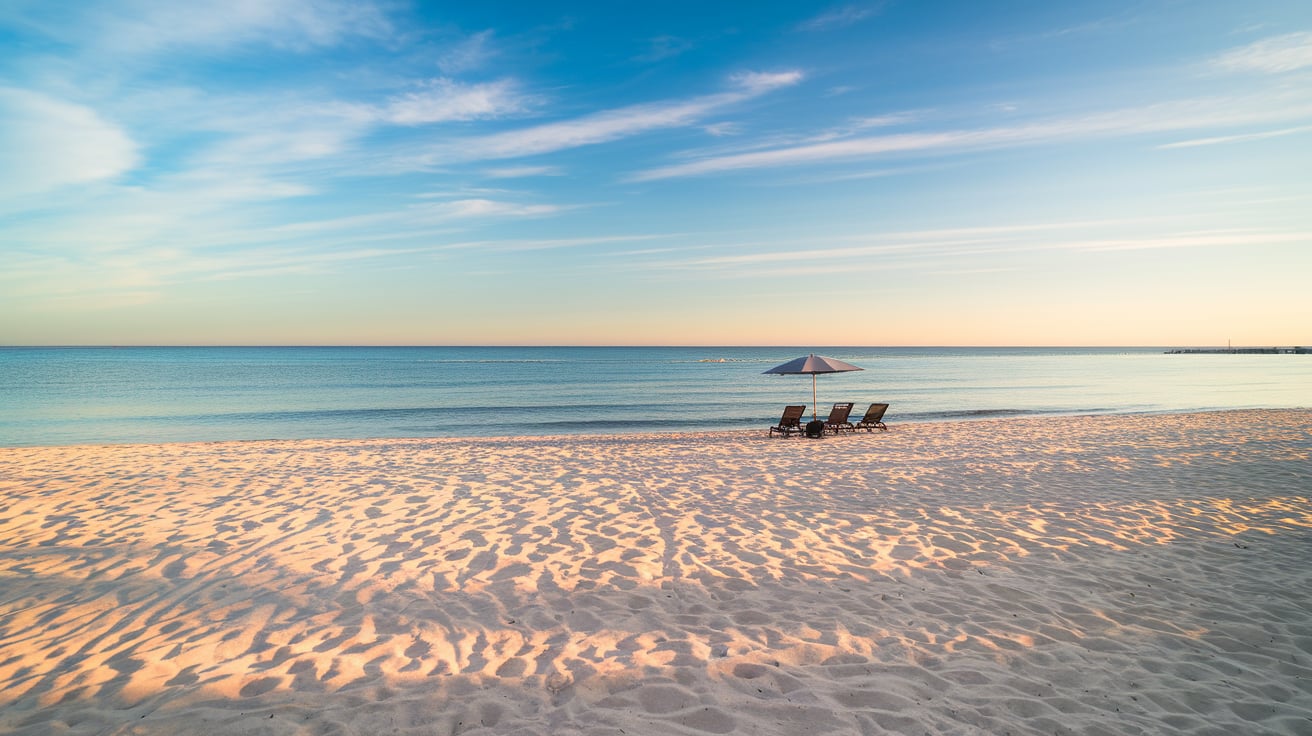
(886, 173)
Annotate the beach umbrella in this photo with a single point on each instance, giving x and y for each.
(814, 365)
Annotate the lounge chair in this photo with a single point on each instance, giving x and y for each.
(837, 421)
(874, 418)
(790, 422)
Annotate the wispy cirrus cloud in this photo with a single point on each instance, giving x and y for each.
(140, 276)
(757, 83)
(722, 129)
(812, 153)
(1278, 54)
(140, 241)
(859, 125)
(1237, 238)
(608, 125)
(444, 100)
(936, 249)
(248, 134)
(115, 33)
(1217, 140)
(48, 143)
(1170, 116)
(661, 48)
(162, 24)
(523, 244)
(424, 213)
(838, 18)
(1098, 26)
(469, 53)
(493, 208)
(519, 172)
(99, 109)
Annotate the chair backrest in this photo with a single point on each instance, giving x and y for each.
(792, 416)
(838, 414)
(874, 414)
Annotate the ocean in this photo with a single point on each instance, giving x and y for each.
(98, 395)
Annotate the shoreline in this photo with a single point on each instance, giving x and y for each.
(987, 415)
(1083, 574)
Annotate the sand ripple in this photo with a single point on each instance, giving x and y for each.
(1094, 575)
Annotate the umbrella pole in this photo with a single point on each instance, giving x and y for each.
(814, 408)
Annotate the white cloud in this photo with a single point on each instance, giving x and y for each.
(471, 53)
(1176, 115)
(552, 244)
(254, 136)
(152, 25)
(1237, 138)
(1192, 240)
(460, 193)
(398, 223)
(493, 208)
(664, 47)
(838, 18)
(46, 143)
(935, 249)
(604, 126)
(134, 238)
(260, 149)
(722, 129)
(1274, 55)
(812, 153)
(889, 120)
(861, 124)
(592, 129)
(1101, 26)
(444, 100)
(756, 83)
(518, 172)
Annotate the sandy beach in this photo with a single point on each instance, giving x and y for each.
(1142, 574)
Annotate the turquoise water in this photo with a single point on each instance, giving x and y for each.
(52, 396)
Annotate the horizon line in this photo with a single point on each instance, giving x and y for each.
(92, 346)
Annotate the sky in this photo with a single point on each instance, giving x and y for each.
(927, 172)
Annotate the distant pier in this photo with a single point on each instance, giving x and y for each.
(1296, 350)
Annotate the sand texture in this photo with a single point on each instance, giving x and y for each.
(1086, 575)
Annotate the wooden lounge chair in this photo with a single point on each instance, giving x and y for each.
(790, 422)
(874, 418)
(837, 421)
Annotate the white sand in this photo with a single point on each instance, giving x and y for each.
(1091, 575)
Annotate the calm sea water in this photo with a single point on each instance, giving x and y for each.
(51, 396)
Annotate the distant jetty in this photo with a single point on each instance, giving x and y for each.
(1242, 351)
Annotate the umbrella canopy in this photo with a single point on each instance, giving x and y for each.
(814, 365)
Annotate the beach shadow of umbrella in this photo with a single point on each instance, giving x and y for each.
(812, 365)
